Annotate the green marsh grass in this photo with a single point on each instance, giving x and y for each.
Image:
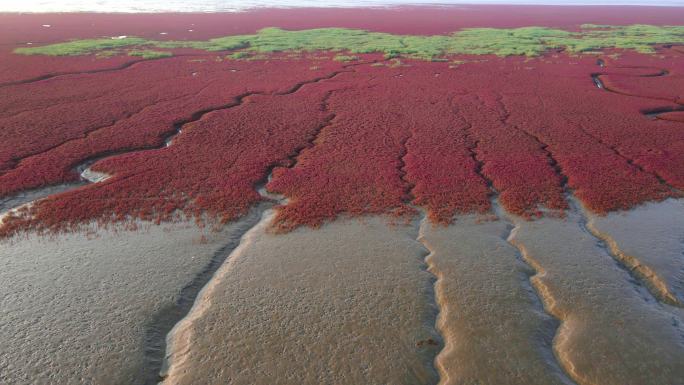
(150, 54)
(526, 41)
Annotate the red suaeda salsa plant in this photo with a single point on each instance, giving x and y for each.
(365, 136)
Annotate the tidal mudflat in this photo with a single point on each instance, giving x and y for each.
(94, 307)
(450, 196)
(606, 314)
(290, 306)
(493, 299)
(495, 329)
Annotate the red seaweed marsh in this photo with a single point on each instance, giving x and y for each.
(412, 195)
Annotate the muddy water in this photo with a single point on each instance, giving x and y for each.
(77, 308)
(613, 331)
(650, 240)
(493, 324)
(350, 303)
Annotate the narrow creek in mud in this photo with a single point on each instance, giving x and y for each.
(653, 113)
(166, 318)
(155, 342)
(656, 257)
(605, 313)
(493, 323)
(352, 306)
(78, 305)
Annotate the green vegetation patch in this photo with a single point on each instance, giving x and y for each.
(150, 54)
(346, 58)
(527, 41)
(82, 47)
(239, 55)
(108, 53)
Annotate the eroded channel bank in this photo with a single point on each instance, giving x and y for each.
(657, 254)
(77, 307)
(350, 303)
(605, 314)
(493, 323)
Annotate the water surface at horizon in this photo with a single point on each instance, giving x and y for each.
(155, 6)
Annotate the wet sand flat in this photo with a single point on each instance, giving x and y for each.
(650, 240)
(613, 331)
(349, 303)
(493, 323)
(75, 308)
(515, 302)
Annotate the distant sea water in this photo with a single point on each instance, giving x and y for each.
(242, 5)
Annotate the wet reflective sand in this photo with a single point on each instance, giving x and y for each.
(350, 303)
(519, 302)
(75, 309)
(493, 324)
(613, 331)
(650, 239)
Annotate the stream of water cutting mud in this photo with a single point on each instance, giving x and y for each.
(76, 307)
(612, 331)
(350, 303)
(493, 323)
(657, 253)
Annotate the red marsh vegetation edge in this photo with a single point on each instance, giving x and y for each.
(346, 138)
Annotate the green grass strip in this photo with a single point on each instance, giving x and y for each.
(527, 41)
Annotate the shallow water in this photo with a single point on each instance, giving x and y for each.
(350, 303)
(613, 331)
(650, 239)
(493, 324)
(75, 308)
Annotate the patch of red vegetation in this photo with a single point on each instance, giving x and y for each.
(345, 139)
(514, 160)
(599, 139)
(354, 165)
(658, 78)
(54, 125)
(17, 69)
(440, 162)
(420, 134)
(212, 168)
